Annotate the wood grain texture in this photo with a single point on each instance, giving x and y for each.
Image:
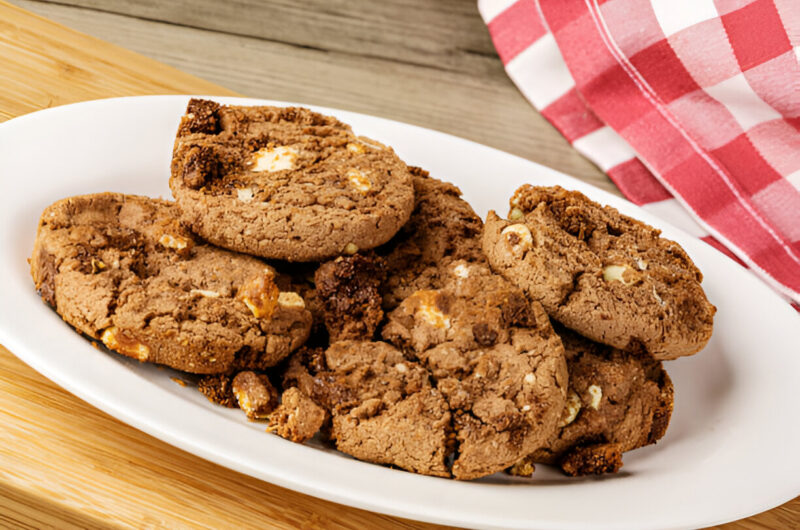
(65, 464)
(44, 66)
(441, 34)
(485, 107)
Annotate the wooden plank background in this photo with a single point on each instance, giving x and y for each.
(425, 62)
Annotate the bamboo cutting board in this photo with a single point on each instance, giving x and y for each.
(65, 464)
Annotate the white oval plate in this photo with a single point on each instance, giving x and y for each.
(731, 451)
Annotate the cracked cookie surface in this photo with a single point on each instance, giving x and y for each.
(382, 408)
(122, 269)
(616, 402)
(607, 276)
(286, 183)
(493, 356)
(443, 228)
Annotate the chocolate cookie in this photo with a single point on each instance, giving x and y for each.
(382, 406)
(442, 228)
(349, 289)
(494, 357)
(607, 276)
(616, 402)
(286, 183)
(122, 269)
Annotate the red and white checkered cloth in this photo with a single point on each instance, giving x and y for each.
(692, 107)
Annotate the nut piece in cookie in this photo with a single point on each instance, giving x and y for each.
(614, 397)
(285, 183)
(493, 356)
(255, 395)
(349, 290)
(122, 269)
(382, 406)
(443, 228)
(297, 418)
(605, 275)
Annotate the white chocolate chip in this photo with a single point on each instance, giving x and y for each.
(661, 302)
(203, 292)
(401, 367)
(288, 299)
(519, 238)
(642, 264)
(244, 194)
(350, 248)
(516, 214)
(613, 273)
(461, 271)
(260, 294)
(429, 312)
(176, 242)
(597, 393)
(244, 401)
(377, 147)
(356, 147)
(571, 409)
(111, 338)
(358, 180)
(274, 159)
(529, 378)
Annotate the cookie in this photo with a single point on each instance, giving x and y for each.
(297, 418)
(383, 408)
(218, 388)
(122, 269)
(609, 277)
(443, 228)
(617, 401)
(493, 356)
(255, 394)
(349, 289)
(285, 183)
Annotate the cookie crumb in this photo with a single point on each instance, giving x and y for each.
(255, 394)
(595, 459)
(523, 468)
(218, 389)
(297, 418)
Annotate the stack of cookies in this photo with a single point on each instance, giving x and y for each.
(309, 277)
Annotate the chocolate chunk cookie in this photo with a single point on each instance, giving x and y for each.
(495, 359)
(286, 183)
(349, 288)
(383, 407)
(443, 228)
(616, 402)
(607, 276)
(122, 269)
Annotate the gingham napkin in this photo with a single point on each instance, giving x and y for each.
(692, 107)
